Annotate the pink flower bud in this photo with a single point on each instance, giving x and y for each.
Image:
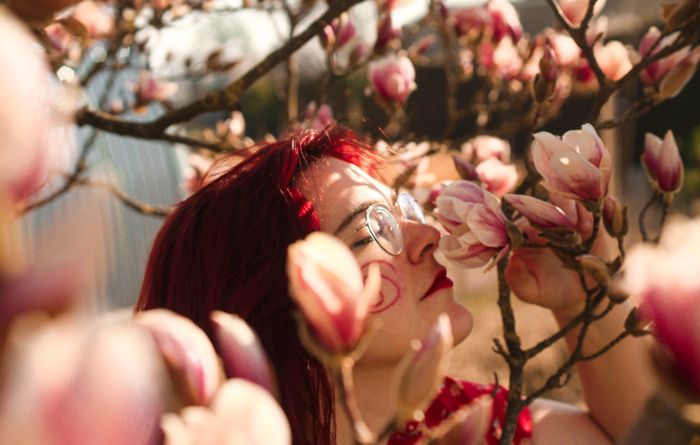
(242, 412)
(566, 51)
(540, 213)
(28, 113)
(465, 168)
(595, 267)
(319, 118)
(505, 20)
(483, 147)
(548, 65)
(75, 382)
(614, 217)
(241, 351)
(613, 59)
(392, 77)
(575, 10)
(475, 223)
(326, 282)
(666, 279)
(186, 350)
(426, 369)
(386, 32)
(577, 166)
(343, 29)
(662, 162)
(498, 177)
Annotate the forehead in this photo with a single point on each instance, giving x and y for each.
(335, 187)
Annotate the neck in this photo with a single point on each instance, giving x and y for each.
(375, 395)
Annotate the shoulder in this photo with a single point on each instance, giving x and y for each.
(553, 420)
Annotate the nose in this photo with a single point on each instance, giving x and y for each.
(421, 241)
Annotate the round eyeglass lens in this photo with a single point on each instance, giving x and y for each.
(410, 208)
(385, 229)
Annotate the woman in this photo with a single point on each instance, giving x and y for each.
(225, 248)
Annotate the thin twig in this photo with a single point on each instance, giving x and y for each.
(642, 216)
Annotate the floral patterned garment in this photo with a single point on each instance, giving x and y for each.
(455, 394)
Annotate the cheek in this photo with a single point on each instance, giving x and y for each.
(390, 293)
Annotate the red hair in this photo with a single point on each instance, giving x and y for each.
(225, 248)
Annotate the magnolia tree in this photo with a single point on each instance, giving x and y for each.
(156, 378)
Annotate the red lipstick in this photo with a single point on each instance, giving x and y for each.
(441, 282)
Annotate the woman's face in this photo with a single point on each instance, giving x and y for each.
(413, 291)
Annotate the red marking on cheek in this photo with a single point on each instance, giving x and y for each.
(390, 291)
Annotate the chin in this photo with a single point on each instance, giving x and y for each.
(462, 321)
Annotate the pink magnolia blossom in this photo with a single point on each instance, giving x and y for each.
(666, 279)
(392, 77)
(150, 89)
(475, 224)
(484, 147)
(241, 351)
(540, 213)
(28, 113)
(505, 20)
(575, 10)
(577, 166)
(613, 59)
(343, 30)
(326, 282)
(186, 350)
(96, 18)
(386, 32)
(662, 162)
(72, 381)
(576, 212)
(242, 413)
(423, 374)
(498, 177)
(503, 58)
(472, 20)
(566, 51)
(320, 117)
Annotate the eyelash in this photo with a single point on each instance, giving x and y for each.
(361, 242)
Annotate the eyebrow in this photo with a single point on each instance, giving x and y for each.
(360, 209)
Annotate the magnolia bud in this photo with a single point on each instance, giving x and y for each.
(615, 217)
(465, 168)
(595, 267)
(634, 325)
(617, 292)
(423, 373)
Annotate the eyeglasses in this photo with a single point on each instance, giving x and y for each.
(383, 226)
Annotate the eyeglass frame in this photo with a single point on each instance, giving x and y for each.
(390, 211)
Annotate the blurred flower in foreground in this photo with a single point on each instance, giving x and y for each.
(575, 10)
(577, 166)
(326, 282)
(426, 369)
(27, 112)
(187, 351)
(662, 162)
(242, 413)
(392, 77)
(666, 279)
(475, 224)
(73, 381)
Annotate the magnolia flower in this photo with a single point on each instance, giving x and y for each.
(96, 18)
(503, 58)
(186, 350)
(28, 113)
(577, 166)
(392, 77)
(540, 213)
(319, 118)
(614, 217)
(426, 369)
(575, 10)
(326, 282)
(662, 162)
(386, 32)
(498, 177)
(505, 20)
(344, 31)
(241, 351)
(71, 381)
(242, 413)
(150, 89)
(667, 281)
(613, 59)
(484, 147)
(566, 51)
(475, 224)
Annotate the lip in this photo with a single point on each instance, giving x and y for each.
(441, 282)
